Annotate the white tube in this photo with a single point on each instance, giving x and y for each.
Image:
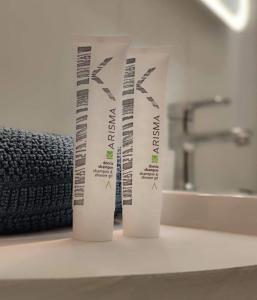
(143, 119)
(99, 63)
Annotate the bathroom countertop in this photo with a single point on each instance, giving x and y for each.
(181, 262)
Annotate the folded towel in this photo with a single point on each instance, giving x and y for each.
(35, 181)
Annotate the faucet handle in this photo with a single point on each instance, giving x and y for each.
(242, 136)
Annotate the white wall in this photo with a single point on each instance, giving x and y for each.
(35, 57)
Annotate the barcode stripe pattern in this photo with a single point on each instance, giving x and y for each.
(82, 93)
(127, 131)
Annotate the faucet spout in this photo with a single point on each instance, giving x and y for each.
(239, 136)
(185, 110)
(214, 101)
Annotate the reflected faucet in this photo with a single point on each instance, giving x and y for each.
(183, 141)
(239, 136)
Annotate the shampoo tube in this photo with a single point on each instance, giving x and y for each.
(99, 64)
(142, 133)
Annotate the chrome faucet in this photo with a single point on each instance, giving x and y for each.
(239, 136)
(183, 141)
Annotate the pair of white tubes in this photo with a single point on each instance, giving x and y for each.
(119, 96)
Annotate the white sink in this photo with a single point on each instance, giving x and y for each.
(230, 213)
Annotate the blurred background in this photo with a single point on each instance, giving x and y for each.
(210, 56)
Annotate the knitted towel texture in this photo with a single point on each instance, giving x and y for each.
(35, 181)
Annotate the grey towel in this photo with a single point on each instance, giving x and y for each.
(35, 181)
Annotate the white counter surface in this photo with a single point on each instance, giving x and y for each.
(180, 261)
